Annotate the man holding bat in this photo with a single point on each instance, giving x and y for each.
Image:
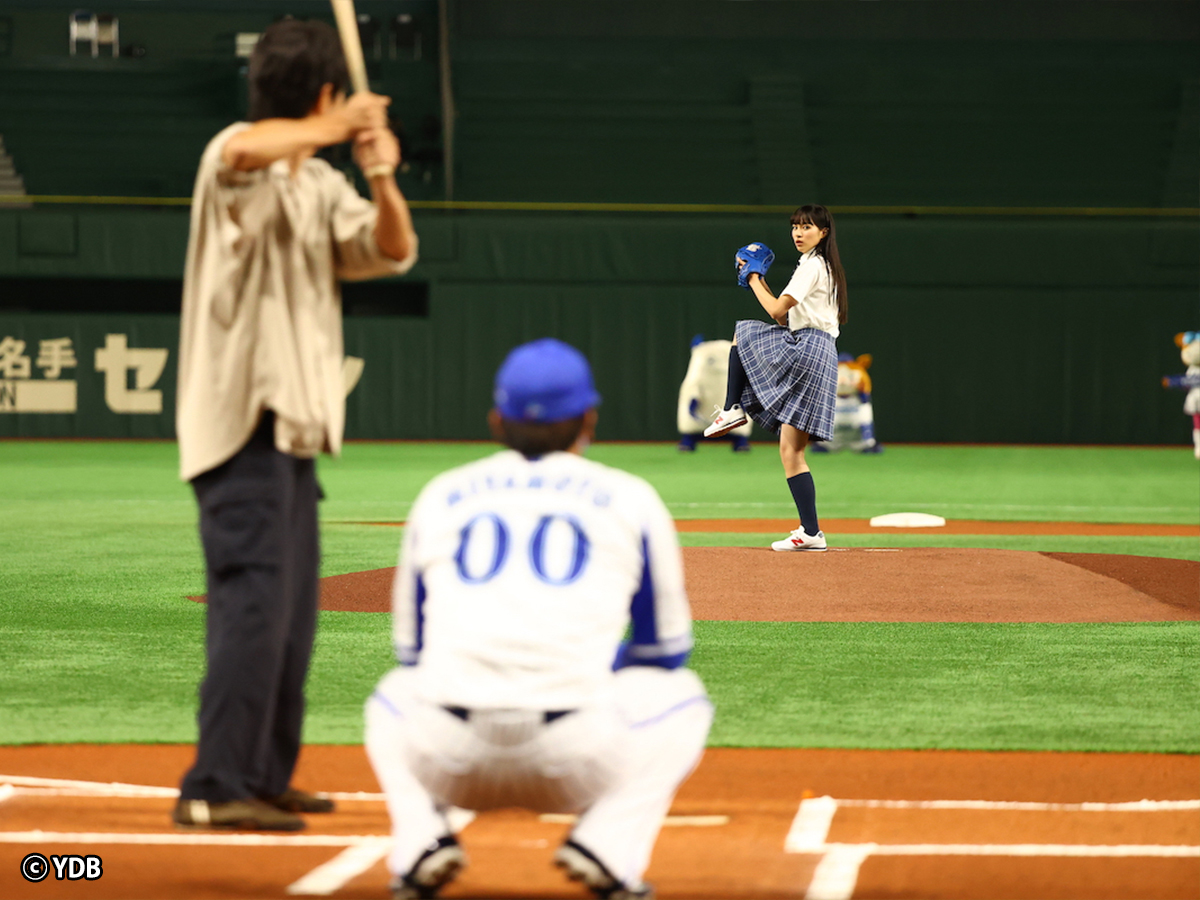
(273, 230)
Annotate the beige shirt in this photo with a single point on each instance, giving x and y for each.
(816, 295)
(262, 309)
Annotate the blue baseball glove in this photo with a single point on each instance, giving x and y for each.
(750, 259)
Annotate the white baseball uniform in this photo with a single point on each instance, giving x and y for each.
(518, 580)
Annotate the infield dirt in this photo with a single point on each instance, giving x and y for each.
(739, 856)
(920, 584)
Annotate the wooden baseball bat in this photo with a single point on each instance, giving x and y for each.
(347, 23)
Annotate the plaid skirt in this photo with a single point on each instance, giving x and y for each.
(792, 377)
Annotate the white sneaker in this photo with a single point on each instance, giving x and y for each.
(798, 540)
(726, 421)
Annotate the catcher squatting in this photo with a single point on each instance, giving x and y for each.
(519, 574)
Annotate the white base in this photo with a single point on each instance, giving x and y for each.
(907, 520)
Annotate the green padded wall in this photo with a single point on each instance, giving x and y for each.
(982, 329)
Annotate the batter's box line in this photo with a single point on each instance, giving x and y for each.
(32, 786)
(29, 785)
(836, 874)
(1032, 805)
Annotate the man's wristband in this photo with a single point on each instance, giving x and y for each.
(383, 169)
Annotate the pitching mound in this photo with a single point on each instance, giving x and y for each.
(910, 585)
(938, 585)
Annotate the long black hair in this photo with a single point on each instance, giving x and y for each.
(818, 216)
(292, 60)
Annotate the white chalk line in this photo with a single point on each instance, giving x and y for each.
(28, 785)
(668, 822)
(1035, 806)
(810, 827)
(69, 787)
(329, 877)
(233, 839)
(1159, 850)
(836, 875)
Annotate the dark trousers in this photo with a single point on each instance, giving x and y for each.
(258, 525)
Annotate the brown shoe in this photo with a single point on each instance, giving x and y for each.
(294, 800)
(248, 815)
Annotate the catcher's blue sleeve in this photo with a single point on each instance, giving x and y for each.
(660, 620)
(408, 599)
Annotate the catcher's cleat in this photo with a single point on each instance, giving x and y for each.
(799, 540)
(247, 815)
(294, 800)
(434, 869)
(725, 421)
(581, 865)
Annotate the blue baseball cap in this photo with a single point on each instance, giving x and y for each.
(544, 381)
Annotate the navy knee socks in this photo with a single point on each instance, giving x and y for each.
(804, 492)
(737, 379)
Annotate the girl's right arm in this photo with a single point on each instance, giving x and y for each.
(776, 307)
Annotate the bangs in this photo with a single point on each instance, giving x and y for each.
(811, 214)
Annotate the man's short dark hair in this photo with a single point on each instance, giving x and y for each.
(289, 65)
(534, 439)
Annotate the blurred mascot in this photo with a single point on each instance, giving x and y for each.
(1188, 343)
(853, 417)
(703, 388)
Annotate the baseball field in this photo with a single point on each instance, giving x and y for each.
(1003, 707)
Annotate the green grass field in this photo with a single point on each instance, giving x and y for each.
(100, 549)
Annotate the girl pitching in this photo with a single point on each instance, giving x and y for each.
(785, 375)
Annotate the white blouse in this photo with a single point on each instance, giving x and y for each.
(812, 287)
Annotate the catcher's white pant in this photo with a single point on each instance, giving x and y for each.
(617, 761)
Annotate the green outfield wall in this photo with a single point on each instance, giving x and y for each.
(983, 329)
